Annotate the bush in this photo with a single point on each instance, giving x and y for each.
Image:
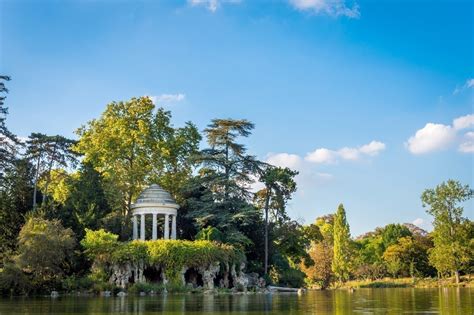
(292, 278)
(13, 281)
(74, 283)
(136, 288)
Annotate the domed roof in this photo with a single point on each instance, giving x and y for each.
(155, 194)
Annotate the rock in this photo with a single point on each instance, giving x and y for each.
(106, 293)
(142, 293)
(152, 292)
(121, 294)
(54, 294)
(208, 275)
(300, 291)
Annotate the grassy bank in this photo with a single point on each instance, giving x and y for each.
(466, 281)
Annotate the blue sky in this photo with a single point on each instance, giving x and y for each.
(371, 101)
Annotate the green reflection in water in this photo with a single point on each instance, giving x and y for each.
(379, 301)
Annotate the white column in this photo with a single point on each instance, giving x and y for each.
(173, 227)
(154, 227)
(135, 227)
(167, 227)
(142, 227)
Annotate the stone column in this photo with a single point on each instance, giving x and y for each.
(167, 227)
(173, 227)
(154, 227)
(142, 227)
(135, 227)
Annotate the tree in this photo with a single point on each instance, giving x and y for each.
(279, 186)
(451, 234)
(342, 247)
(320, 272)
(407, 257)
(391, 233)
(15, 201)
(132, 147)
(44, 247)
(220, 195)
(48, 152)
(8, 140)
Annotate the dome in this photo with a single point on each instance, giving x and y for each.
(156, 195)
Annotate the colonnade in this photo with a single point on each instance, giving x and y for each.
(166, 230)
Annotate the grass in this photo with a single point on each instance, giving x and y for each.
(466, 281)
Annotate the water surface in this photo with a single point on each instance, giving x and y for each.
(362, 301)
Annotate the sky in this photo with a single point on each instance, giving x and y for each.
(371, 101)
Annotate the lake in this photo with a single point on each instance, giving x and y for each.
(367, 301)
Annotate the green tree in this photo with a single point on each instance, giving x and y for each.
(279, 186)
(220, 195)
(133, 146)
(342, 246)
(44, 249)
(16, 194)
(8, 141)
(391, 233)
(48, 152)
(451, 235)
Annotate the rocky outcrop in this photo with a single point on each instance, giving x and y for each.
(121, 275)
(229, 276)
(208, 274)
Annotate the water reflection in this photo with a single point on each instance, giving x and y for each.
(387, 301)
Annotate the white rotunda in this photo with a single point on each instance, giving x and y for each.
(157, 202)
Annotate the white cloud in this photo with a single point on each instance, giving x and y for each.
(167, 98)
(373, 148)
(463, 122)
(467, 85)
(467, 146)
(349, 153)
(329, 7)
(291, 161)
(323, 155)
(211, 5)
(432, 137)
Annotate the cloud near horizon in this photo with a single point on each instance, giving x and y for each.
(327, 156)
(333, 8)
(435, 137)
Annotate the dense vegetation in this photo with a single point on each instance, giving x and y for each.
(55, 192)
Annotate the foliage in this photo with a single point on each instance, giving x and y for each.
(452, 233)
(173, 255)
(220, 195)
(132, 146)
(320, 272)
(342, 250)
(279, 186)
(16, 195)
(44, 248)
(210, 234)
(48, 152)
(13, 281)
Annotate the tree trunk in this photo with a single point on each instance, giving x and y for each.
(36, 182)
(456, 276)
(267, 201)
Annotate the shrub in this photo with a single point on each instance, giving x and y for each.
(13, 281)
